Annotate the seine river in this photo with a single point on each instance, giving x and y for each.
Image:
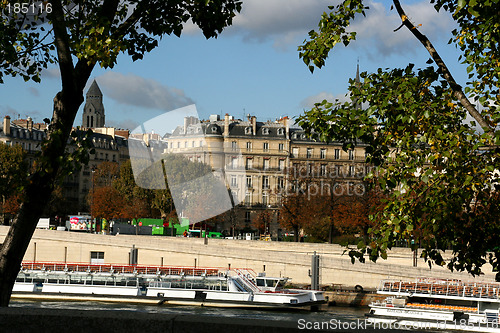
(337, 317)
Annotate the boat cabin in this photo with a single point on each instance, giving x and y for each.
(270, 283)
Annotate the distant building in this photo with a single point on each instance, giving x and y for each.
(109, 144)
(93, 111)
(257, 157)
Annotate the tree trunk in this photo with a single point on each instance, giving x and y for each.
(38, 191)
(330, 234)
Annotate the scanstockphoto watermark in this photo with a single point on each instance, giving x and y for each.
(322, 188)
(365, 324)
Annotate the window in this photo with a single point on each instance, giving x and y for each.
(201, 143)
(309, 152)
(295, 152)
(338, 170)
(282, 164)
(265, 131)
(266, 146)
(96, 257)
(249, 146)
(281, 147)
(337, 154)
(234, 162)
(214, 129)
(265, 198)
(248, 217)
(249, 181)
(351, 154)
(266, 164)
(322, 153)
(234, 145)
(178, 144)
(280, 131)
(351, 170)
(281, 183)
(249, 163)
(248, 130)
(185, 144)
(248, 198)
(323, 170)
(192, 144)
(233, 181)
(265, 182)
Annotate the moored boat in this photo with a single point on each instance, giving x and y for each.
(171, 285)
(435, 303)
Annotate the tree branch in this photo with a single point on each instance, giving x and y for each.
(456, 88)
(61, 41)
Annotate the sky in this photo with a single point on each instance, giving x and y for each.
(252, 68)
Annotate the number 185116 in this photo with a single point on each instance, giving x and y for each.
(37, 8)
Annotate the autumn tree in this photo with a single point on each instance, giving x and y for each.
(78, 35)
(137, 201)
(13, 173)
(439, 170)
(107, 203)
(263, 221)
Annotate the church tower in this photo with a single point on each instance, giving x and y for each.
(93, 111)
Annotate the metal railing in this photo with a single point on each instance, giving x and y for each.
(436, 287)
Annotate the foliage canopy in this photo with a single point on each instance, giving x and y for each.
(441, 170)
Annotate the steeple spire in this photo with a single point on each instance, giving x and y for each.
(93, 111)
(358, 85)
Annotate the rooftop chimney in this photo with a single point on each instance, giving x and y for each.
(254, 125)
(226, 125)
(286, 122)
(6, 125)
(30, 124)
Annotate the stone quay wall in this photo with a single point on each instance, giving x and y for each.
(288, 259)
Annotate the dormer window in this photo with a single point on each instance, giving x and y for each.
(248, 130)
(303, 136)
(265, 131)
(214, 129)
(280, 131)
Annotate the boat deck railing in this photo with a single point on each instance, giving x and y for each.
(433, 287)
(247, 276)
(117, 269)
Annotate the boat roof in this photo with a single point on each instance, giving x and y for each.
(442, 288)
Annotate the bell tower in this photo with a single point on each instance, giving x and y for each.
(93, 111)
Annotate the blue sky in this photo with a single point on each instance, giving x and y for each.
(252, 68)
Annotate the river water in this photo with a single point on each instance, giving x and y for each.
(332, 318)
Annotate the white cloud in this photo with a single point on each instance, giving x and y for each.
(51, 73)
(309, 102)
(134, 90)
(284, 22)
(287, 22)
(375, 32)
(123, 123)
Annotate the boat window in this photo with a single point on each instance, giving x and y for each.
(261, 283)
(281, 284)
(271, 283)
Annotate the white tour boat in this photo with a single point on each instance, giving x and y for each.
(171, 285)
(434, 303)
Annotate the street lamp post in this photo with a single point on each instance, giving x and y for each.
(92, 203)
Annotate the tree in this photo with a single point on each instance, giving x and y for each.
(107, 203)
(439, 170)
(13, 172)
(78, 35)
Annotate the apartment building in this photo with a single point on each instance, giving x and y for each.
(257, 160)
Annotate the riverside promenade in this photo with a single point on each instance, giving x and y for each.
(288, 259)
